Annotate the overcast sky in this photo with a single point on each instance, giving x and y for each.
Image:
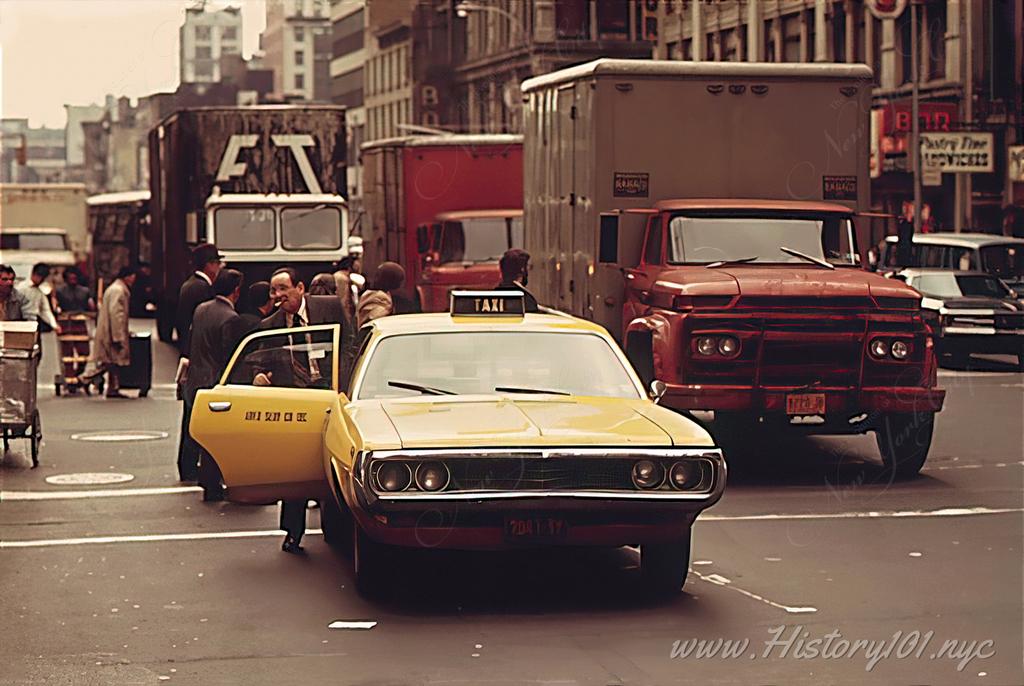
(57, 52)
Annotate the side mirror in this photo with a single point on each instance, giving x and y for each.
(423, 238)
(658, 389)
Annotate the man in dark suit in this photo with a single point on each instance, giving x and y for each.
(215, 328)
(197, 289)
(295, 309)
(514, 265)
(259, 306)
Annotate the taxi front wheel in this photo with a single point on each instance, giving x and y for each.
(664, 566)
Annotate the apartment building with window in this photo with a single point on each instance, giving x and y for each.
(297, 45)
(388, 81)
(969, 79)
(204, 38)
(348, 57)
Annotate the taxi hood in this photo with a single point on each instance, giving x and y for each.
(487, 421)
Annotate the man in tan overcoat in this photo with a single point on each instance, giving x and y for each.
(112, 336)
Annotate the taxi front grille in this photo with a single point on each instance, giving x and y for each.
(540, 474)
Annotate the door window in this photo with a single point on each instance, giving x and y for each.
(652, 251)
(288, 358)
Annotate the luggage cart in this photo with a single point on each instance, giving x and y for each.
(74, 342)
(19, 416)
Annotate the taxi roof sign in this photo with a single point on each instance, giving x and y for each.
(487, 303)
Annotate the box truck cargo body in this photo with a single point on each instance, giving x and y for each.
(265, 183)
(707, 214)
(445, 207)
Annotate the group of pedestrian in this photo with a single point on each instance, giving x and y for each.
(210, 327)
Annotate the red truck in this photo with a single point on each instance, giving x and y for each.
(445, 207)
(708, 214)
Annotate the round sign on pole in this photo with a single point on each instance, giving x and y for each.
(886, 9)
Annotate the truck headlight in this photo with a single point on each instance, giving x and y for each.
(706, 345)
(728, 346)
(900, 350)
(878, 348)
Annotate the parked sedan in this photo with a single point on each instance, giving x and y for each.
(970, 312)
(482, 428)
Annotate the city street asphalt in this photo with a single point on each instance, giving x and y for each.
(139, 582)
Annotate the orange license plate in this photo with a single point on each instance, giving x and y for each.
(805, 403)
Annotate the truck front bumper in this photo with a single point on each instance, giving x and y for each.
(838, 401)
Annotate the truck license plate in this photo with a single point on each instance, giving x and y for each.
(527, 529)
(805, 403)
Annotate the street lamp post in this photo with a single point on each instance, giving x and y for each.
(915, 130)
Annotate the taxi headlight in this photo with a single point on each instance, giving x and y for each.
(685, 475)
(728, 346)
(878, 348)
(900, 350)
(393, 476)
(432, 476)
(706, 345)
(648, 474)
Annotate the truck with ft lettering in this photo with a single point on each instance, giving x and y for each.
(266, 184)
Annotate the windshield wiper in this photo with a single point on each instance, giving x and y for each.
(426, 390)
(804, 256)
(538, 391)
(722, 263)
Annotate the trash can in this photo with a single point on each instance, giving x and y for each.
(139, 373)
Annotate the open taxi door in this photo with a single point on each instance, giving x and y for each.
(264, 422)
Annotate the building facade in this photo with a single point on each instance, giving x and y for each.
(297, 46)
(348, 30)
(204, 38)
(31, 155)
(969, 79)
(388, 81)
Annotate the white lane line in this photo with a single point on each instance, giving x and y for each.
(95, 493)
(973, 466)
(719, 580)
(954, 373)
(944, 512)
(148, 538)
(351, 625)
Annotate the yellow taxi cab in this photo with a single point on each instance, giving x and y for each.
(481, 428)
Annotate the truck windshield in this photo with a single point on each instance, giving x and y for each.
(1005, 261)
(479, 239)
(33, 241)
(244, 228)
(311, 228)
(470, 362)
(707, 239)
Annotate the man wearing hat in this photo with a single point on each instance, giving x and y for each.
(197, 289)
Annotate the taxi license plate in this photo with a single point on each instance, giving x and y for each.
(528, 529)
(805, 403)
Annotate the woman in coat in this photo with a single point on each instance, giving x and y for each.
(112, 335)
(379, 300)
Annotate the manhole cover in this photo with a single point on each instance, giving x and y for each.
(119, 436)
(88, 478)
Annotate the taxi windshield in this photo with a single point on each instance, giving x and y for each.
(463, 363)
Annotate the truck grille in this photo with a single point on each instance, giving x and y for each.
(825, 362)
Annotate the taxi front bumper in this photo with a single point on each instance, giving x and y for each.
(482, 520)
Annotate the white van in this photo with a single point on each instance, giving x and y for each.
(21, 248)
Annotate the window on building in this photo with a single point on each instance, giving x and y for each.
(229, 33)
(300, 82)
(572, 19)
(903, 47)
(202, 33)
(791, 38)
(838, 32)
(876, 49)
(935, 15)
(300, 58)
(428, 96)
(204, 69)
(769, 41)
(686, 49)
(860, 38)
(300, 34)
(810, 50)
(430, 118)
(204, 52)
(731, 50)
(710, 52)
(612, 18)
